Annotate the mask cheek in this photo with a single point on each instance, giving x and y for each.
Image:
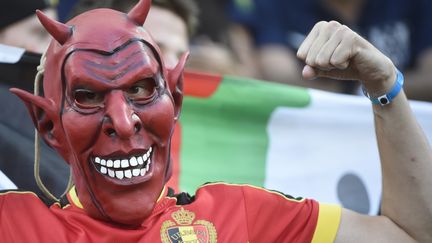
(81, 130)
(160, 119)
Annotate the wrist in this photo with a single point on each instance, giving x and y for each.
(381, 82)
(384, 92)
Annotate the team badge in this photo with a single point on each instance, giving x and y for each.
(185, 229)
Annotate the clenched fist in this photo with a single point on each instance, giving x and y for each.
(333, 50)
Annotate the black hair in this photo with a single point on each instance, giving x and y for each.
(187, 10)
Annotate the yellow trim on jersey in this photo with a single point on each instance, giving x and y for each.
(77, 202)
(328, 223)
(256, 187)
(74, 198)
(162, 195)
(19, 192)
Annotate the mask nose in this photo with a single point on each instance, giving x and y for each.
(120, 119)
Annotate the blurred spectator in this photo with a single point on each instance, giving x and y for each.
(64, 8)
(399, 28)
(174, 24)
(170, 22)
(210, 47)
(20, 28)
(19, 25)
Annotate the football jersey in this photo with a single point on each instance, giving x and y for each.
(218, 212)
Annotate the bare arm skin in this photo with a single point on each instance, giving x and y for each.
(333, 50)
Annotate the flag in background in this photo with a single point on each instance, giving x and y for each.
(299, 141)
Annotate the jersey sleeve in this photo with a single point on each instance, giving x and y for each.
(275, 217)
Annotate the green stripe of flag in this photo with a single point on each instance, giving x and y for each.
(224, 136)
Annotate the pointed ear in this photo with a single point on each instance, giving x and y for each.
(42, 112)
(175, 83)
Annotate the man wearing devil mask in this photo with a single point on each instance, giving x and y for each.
(109, 107)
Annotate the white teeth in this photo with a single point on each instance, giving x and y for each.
(128, 173)
(117, 163)
(140, 160)
(133, 161)
(111, 173)
(147, 155)
(107, 165)
(119, 174)
(124, 163)
(110, 163)
(136, 172)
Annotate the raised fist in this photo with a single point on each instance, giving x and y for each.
(333, 50)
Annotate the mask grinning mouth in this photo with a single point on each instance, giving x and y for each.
(124, 168)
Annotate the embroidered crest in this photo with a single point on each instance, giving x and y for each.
(185, 229)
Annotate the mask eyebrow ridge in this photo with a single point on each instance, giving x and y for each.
(111, 66)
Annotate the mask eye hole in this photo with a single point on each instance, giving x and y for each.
(142, 91)
(86, 98)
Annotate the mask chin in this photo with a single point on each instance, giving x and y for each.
(127, 206)
(129, 211)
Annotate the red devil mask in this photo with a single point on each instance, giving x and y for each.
(109, 108)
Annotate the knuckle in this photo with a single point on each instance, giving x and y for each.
(321, 61)
(335, 62)
(348, 36)
(321, 23)
(301, 55)
(333, 27)
(352, 38)
(339, 64)
(355, 37)
(348, 33)
(334, 24)
(310, 61)
(342, 30)
(345, 28)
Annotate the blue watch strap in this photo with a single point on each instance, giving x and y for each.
(386, 99)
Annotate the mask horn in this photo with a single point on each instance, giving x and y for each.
(60, 32)
(139, 13)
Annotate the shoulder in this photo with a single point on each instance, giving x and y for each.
(17, 194)
(20, 197)
(244, 191)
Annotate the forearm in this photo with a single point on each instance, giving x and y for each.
(333, 50)
(406, 159)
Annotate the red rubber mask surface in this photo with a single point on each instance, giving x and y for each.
(109, 108)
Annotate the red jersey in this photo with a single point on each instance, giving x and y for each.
(218, 212)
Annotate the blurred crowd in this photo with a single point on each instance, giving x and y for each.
(250, 38)
(254, 38)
